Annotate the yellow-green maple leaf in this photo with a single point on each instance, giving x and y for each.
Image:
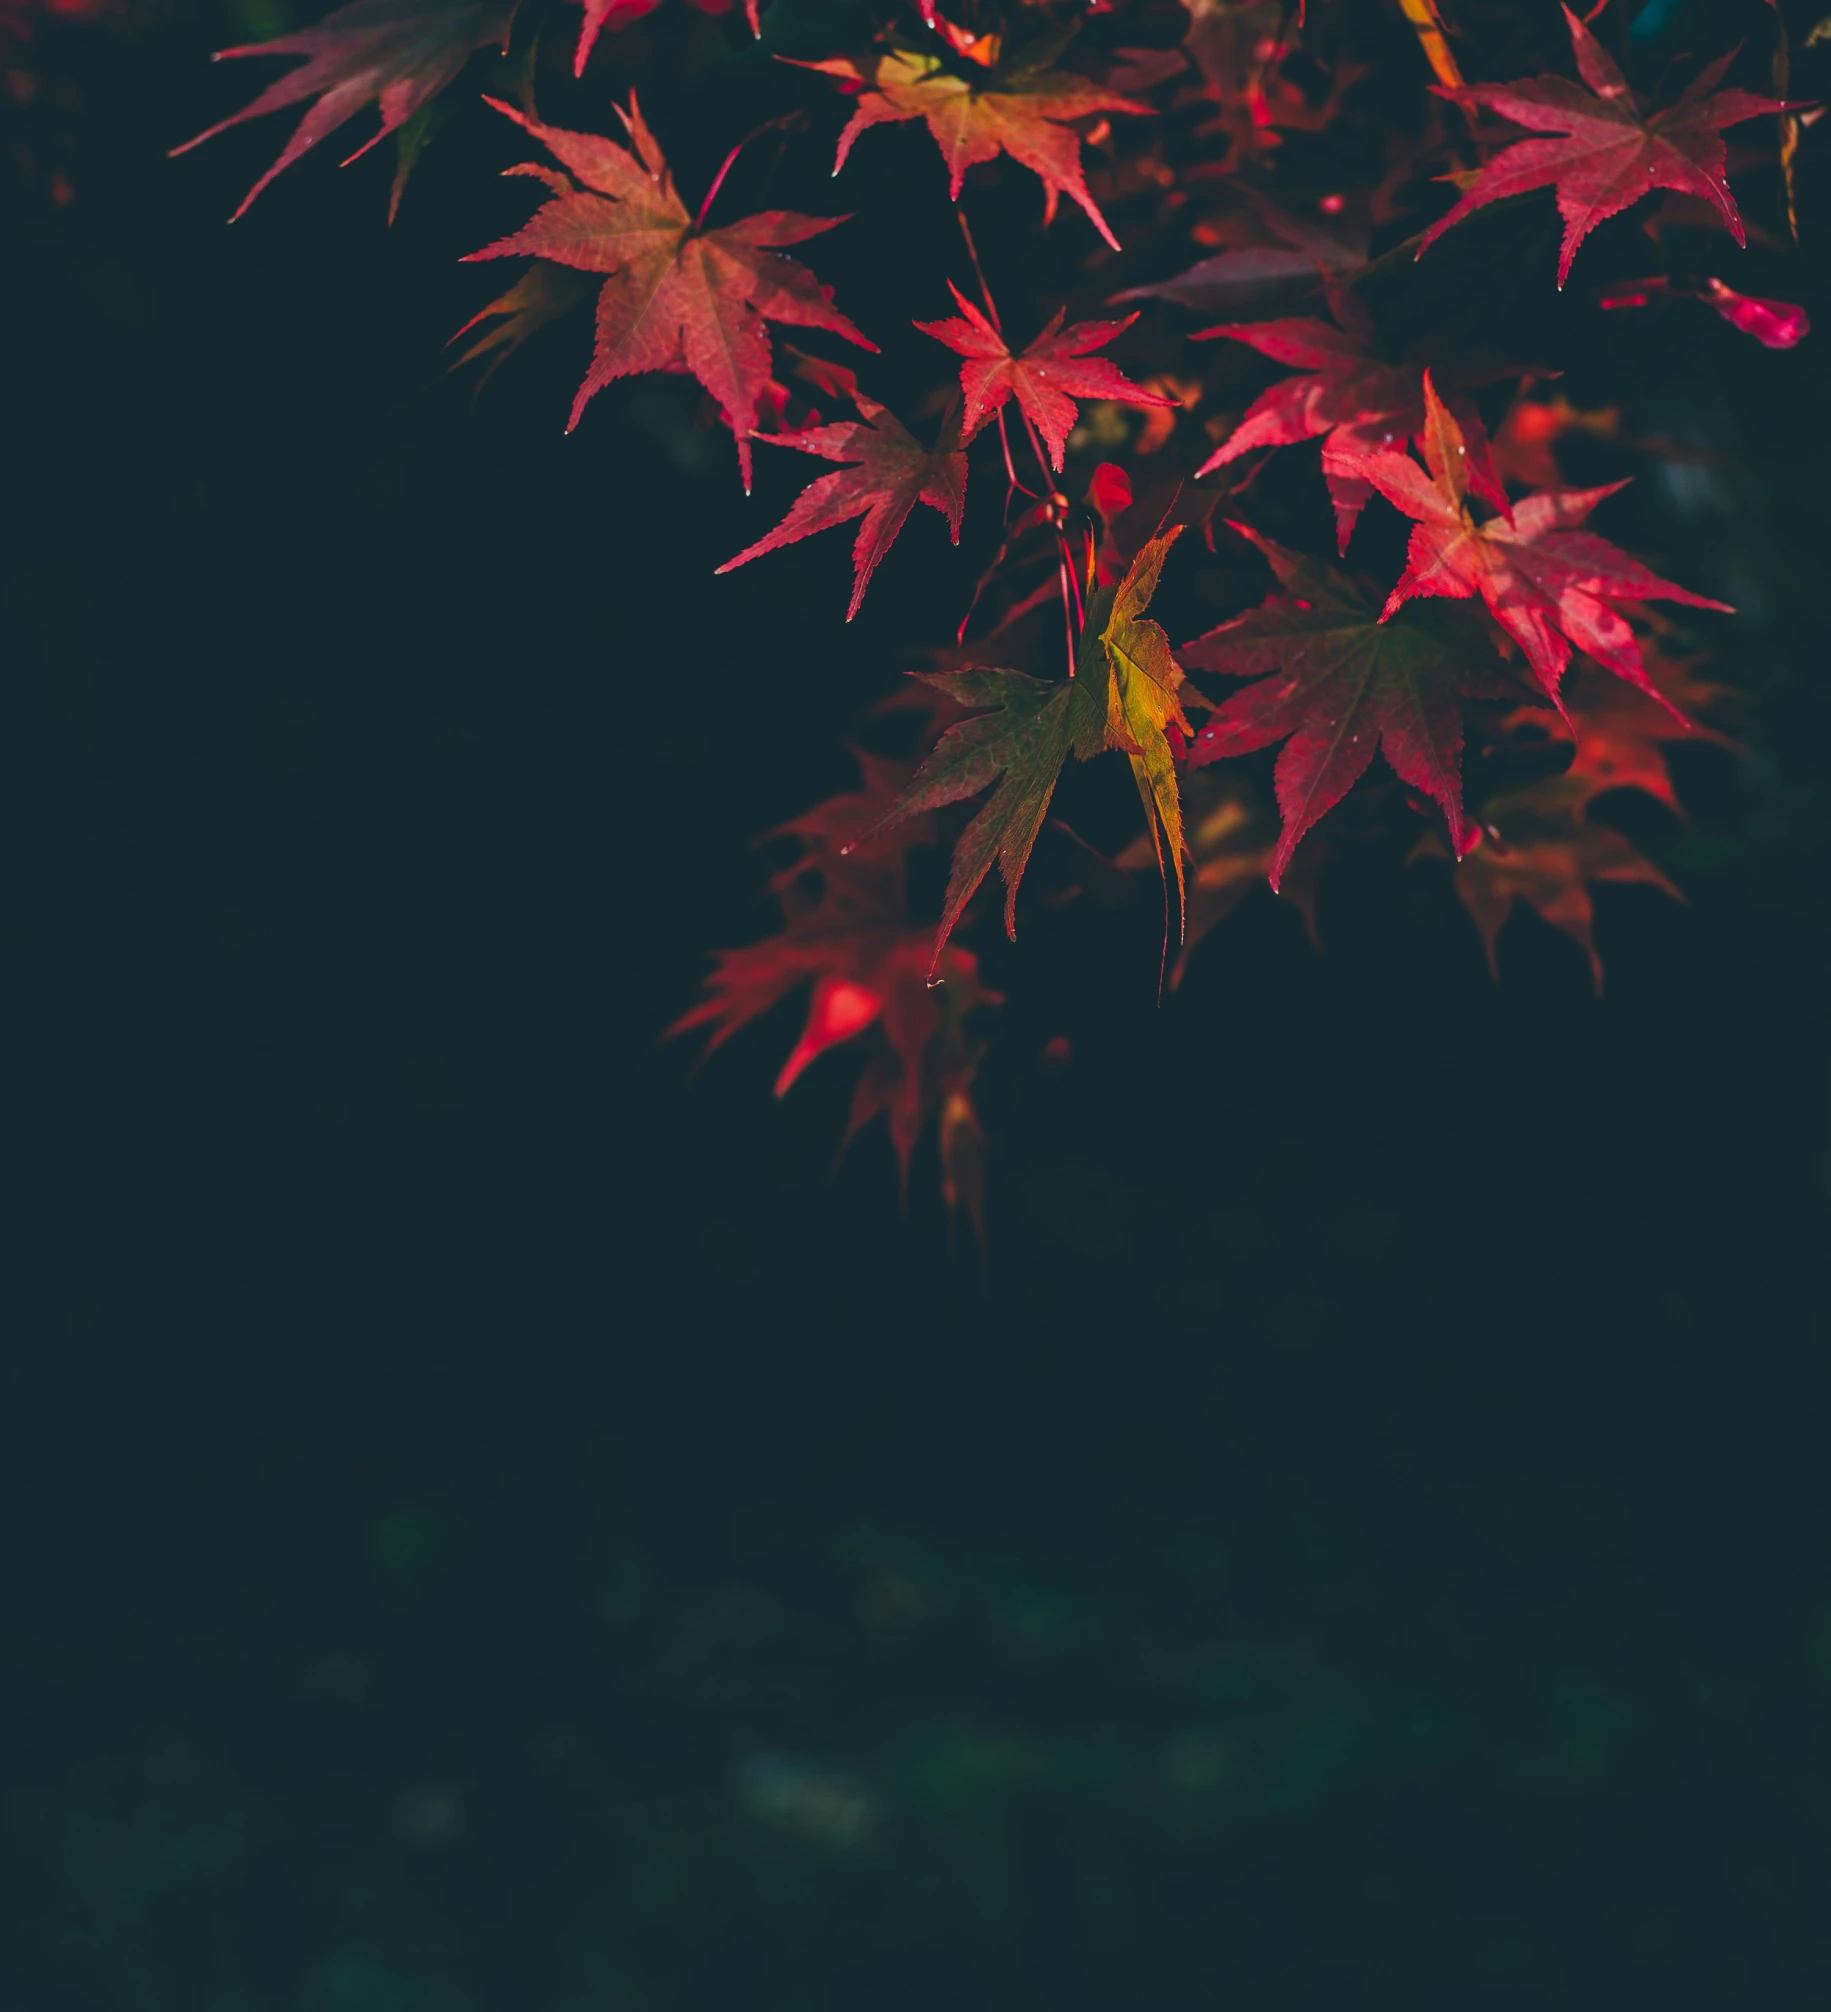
(1143, 700)
(1123, 696)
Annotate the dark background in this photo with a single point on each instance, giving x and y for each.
(491, 1522)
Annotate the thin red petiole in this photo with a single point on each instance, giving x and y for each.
(972, 252)
(1016, 488)
(1069, 624)
(1071, 593)
(1074, 613)
(718, 180)
(1074, 580)
(789, 119)
(1036, 447)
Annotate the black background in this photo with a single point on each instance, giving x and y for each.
(494, 1521)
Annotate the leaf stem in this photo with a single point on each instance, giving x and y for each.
(1065, 573)
(1016, 488)
(1074, 612)
(1057, 505)
(972, 252)
(718, 181)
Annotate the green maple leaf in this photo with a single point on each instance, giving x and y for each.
(1123, 696)
(1020, 744)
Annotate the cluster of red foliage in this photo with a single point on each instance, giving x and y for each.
(1236, 131)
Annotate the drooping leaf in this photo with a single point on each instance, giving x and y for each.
(1124, 695)
(1021, 112)
(847, 937)
(1607, 150)
(396, 54)
(675, 296)
(1336, 682)
(889, 473)
(1045, 379)
(1350, 395)
(1232, 836)
(1550, 586)
(1542, 848)
(1144, 703)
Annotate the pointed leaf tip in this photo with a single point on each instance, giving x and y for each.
(1600, 149)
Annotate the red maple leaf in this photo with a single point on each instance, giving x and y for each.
(1609, 150)
(1350, 394)
(617, 14)
(1046, 379)
(1775, 324)
(397, 54)
(1335, 681)
(1620, 736)
(847, 934)
(1021, 111)
(1548, 585)
(676, 296)
(1541, 848)
(889, 473)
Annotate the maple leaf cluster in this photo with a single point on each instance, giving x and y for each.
(1335, 358)
(870, 979)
